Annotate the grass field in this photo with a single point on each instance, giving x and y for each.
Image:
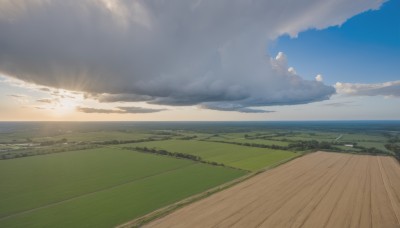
(260, 141)
(239, 138)
(247, 158)
(109, 185)
(366, 140)
(363, 137)
(306, 138)
(97, 188)
(296, 136)
(95, 136)
(16, 137)
(378, 145)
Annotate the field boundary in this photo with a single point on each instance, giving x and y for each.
(159, 213)
(179, 155)
(358, 153)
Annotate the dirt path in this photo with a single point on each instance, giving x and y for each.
(318, 190)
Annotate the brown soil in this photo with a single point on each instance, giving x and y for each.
(317, 190)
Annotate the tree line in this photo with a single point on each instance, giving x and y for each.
(172, 154)
(26, 152)
(294, 146)
(395, 148)
(116, 142)
(307, 145)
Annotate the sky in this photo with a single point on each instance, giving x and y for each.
(120, 60)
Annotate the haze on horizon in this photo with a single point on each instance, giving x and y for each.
(199, 60)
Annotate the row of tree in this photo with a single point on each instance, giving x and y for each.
(276, 147)
(115, 141)
(52, 142)
(19, 153)
(311, 145)
(188, 137)
(307, 145)
(395, 148)
(172, 154)
(267, 136)
(295, 146)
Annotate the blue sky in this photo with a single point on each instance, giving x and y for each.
(365, 49)
(199, 60)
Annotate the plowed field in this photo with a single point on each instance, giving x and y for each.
(317, 190)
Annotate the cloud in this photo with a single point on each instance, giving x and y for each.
(319, 78)
(45, 100)
(292, 70)
(139, 110)
(21, 99)
(120, 110)
(45, 89)
(106, 98)
(391, 89)
(339, 104)
(42, 108)
(97, 110)
(171, 52)
(17, 96)
(232, 107)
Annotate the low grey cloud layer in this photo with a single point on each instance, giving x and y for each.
(379, 89)
(17, 96)
(232, 107)
(339, 104)
(177, 52)
(120, 110)
(45, 100)
(22, 99)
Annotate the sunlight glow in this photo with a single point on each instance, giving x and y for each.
(66, 106)
(65, 103)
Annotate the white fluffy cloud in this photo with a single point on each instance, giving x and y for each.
(319, 78)
(175, 52)
(379, 89)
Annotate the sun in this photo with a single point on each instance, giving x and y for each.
(65, 103)
(66, 106)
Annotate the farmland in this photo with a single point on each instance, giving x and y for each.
(95, 136)
(247, 158)
(100, 187)
(105, 174)
(317, 190)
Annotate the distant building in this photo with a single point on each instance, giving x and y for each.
(349, 145)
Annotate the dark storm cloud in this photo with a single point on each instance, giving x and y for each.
(175, 52)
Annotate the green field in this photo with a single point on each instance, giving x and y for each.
(243, 157)
(98, 187)
(259, 141)
(363, 137)
(366, 140)
(293, 136)
(95, 136)
(303, 137)
(240, 138)
(378, 145)
(91, 179)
